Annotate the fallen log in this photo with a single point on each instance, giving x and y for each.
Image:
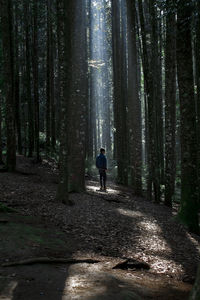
(49, 260)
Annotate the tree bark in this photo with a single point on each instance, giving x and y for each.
(188, 213)
(35, 78)
(170, 103)
(1, 146)
(119, 105)
(8, 69)
(78, 102)
(134, 104)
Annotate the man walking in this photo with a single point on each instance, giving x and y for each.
(101, 164)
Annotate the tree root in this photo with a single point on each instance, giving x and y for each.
(49, 260)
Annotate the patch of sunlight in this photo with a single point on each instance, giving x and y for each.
(129, 213)
(96, 189)
(8, 291)
(163, 266)
(151, 226)
(83, 282)
(151, 235)
(153, 239)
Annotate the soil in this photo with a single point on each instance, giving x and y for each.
(114, 228)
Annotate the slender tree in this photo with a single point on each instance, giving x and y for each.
(35, 78)
(170, 102)
(134, 104)
(8, 70)
(120, 121)
(63, 187)
(17, 79)
(1, 146)
(189, 199)
(27, 15)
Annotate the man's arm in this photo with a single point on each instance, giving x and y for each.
(105, 161)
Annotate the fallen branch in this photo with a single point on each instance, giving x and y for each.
(49, 260)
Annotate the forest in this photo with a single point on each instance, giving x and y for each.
(77, 76)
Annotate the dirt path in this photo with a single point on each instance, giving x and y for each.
(107, 227)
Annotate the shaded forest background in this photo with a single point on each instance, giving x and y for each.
(77, 75)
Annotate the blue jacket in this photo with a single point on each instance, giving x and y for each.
(101, 162)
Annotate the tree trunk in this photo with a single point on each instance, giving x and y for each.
(188, 213)
(17, 83)
(28, 81)
(119, 105)
(170, 103)
(148, 85)
(48, 80)
(63, 187)
(8, 69)
(78, 102)
(197, 73)
(134, 104)
(35, 77)
(1, 146)
(156, 112)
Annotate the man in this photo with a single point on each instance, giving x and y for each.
(101, 164)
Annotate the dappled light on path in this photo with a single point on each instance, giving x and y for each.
(93, 188)
(8, 290)
(129, 213)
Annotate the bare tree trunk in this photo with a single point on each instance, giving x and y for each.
(119, 105)
(170, 103)
(78, 102)
(148, 84)
(35, 77)
(8, 69)
(17, 83)
(48, 81)
(189, 197)
(63, 188)
(28, 81)
(197, 73)
(134, 105)
(1, 146)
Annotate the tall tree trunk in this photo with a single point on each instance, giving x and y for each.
(8, 69)
(148, 84)
(35, 77)
(17, 83)
(1, 146)
(28, 81)
(170, 103)
(134, 104)
(156, 113)
(63, 188)
(119, 105)
(197, 73)
(48, 80)
(78, 105)
(60, 42)
(52, 81)
(189, 199)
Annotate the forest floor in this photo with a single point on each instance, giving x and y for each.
(86, 241)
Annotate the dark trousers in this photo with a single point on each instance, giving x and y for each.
(103, 177)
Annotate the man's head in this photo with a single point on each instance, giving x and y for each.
(102, 150)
